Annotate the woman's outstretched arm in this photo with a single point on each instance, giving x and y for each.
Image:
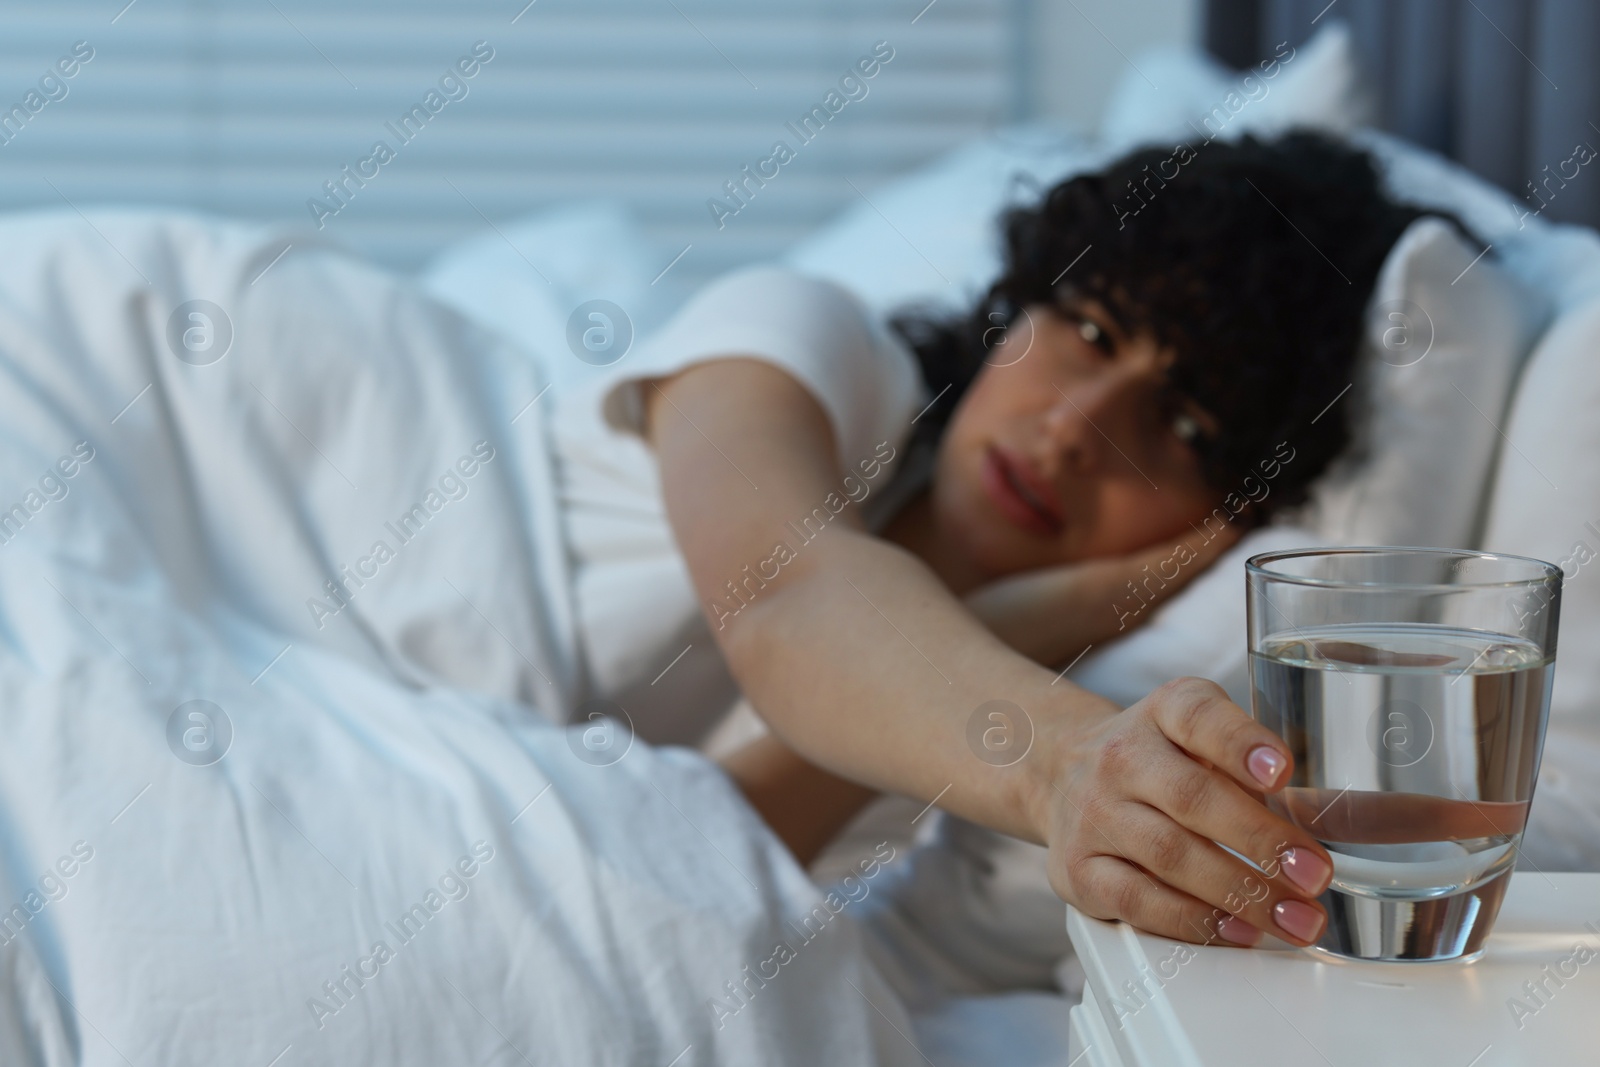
(863, 662)
(1050, 616)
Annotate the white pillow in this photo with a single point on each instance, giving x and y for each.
(1545, 500)
(1178, 93)
(1560, 261)
(1545, 503)
(1445, 334)
(930, 237)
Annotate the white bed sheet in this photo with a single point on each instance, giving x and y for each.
(391, 777)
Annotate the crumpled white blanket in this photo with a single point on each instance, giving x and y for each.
(270, 795)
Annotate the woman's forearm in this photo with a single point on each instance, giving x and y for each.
(1042, 615)
(1047, 617)
(866, 665)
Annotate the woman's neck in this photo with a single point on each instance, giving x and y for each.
(915, 529)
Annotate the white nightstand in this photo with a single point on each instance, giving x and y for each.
(1222, 1007)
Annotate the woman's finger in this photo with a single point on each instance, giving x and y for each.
(1214, 807)
(1195, 866)
(1108, 887)
(1196, 715)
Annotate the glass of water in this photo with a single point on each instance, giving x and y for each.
(1413, 687)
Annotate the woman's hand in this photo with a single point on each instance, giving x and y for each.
(1132, 808)
(1052, 614)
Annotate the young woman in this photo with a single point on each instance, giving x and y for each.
(1161, 332)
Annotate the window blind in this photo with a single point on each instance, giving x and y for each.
(261, 109)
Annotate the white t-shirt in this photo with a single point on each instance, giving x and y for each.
(637, 612)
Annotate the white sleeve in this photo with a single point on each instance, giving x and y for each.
(865, 378)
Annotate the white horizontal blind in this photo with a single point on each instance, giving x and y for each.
(246, 107)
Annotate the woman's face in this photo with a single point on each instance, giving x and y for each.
(1069, 445)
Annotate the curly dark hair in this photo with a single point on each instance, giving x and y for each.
(1254, 262)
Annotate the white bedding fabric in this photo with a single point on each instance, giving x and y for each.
(565, 912)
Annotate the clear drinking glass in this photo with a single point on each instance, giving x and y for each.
(1413, 687)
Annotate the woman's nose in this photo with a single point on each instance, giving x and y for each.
(1086, 422)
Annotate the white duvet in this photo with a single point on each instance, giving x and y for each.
(273, 785)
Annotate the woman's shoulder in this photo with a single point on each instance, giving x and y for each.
(817, 331)
(794, 313)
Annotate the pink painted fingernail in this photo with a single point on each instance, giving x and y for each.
(1234, 929)
(1265, 763)
(1307, 870)
(1298, 920)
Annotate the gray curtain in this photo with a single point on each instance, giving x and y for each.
(1509, 88)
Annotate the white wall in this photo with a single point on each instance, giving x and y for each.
(1072, 54)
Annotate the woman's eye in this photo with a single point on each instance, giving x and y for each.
(1188, 430)
(1095, 336)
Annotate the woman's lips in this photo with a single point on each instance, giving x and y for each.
(1018, 493)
